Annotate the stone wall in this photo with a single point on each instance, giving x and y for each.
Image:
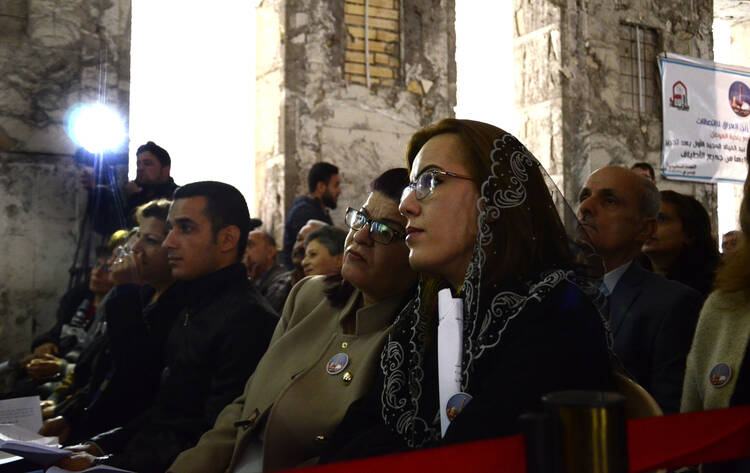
(51, 53)
(575, 82)
(327, 115)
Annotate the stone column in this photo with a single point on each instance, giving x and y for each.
(580, 106)
(51, 56)
(315, 82)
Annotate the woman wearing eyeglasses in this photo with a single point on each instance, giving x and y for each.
(516, 312)
(324, 353)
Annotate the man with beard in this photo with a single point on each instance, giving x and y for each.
(152, 182)
(325, 187)
(152, 179)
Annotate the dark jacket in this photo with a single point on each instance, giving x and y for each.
(653, 320)
(149, 193)
(126, 362)
(304, 208)
(214, 346)
(111, 212)
(554, 346)
(275, 284)
(69, 304)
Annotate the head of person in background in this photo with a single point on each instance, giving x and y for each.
(324, 184)
(260, 254)
(324, 249)
(152, 165)
(99, 280)
(298, 251)
(618, 210)
(645, 170)
(209, 223)
(148, 263)
(729, 241)
(683, 247)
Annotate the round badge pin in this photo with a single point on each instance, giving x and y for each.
(337, 363)
(720, 375)
(456, 404)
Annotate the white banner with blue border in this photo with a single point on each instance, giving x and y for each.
(706, 109)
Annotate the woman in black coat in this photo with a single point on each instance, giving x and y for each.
(522, 295)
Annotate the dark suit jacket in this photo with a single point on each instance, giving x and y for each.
(653, 320)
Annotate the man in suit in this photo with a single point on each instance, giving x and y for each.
(652, 319)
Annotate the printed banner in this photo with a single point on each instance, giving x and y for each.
(706, 108)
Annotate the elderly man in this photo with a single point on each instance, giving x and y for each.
(652, 319)
(270, 278)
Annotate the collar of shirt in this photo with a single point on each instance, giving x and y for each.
(611, 278)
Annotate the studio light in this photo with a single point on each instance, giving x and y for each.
(96, 127)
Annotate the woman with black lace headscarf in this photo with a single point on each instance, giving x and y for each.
(519, 298)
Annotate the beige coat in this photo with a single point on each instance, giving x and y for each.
(721, 337)
(291, 403)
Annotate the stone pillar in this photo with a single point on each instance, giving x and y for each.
(316, 83)
(578, 78)
(51, 54)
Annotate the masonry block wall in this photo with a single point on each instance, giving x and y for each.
(582, 101)
(380, 42)
(50, 56)
(326, 110)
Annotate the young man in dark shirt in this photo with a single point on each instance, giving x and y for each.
(325, 188)
(217, 339)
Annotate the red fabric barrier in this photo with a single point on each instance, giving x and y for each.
(658, 442)
(688, 439)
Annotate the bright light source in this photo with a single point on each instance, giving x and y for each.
(96, 127)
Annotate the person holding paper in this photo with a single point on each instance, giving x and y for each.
(521, 300)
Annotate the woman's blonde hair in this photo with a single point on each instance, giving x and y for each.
(734, 274)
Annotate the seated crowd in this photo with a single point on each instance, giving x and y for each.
(463, 289)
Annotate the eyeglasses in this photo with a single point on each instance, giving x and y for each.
(379, 232)
(426, 182)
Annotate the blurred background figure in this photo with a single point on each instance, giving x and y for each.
(298, 251)
(683, 247)
(270, 278)
(324, 185)
(645, 170)
(717, 374)
(729, 241)
(324, 250)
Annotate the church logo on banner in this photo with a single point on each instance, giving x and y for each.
(679, 98)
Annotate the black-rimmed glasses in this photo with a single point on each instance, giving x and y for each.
(379, 232)
(426, 183)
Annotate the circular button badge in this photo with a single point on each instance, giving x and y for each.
(456, 404)
(720, 375)
(337, 363)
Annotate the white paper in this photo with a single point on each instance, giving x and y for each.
(42, 455)
(93, 469)
(450, 346)
(15, 432)
(22, 411)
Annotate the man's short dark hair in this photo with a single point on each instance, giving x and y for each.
(320, 172)
(160, 153)
(646, 167)
(225, 206)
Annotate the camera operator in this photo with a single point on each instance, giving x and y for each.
(152, 182)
